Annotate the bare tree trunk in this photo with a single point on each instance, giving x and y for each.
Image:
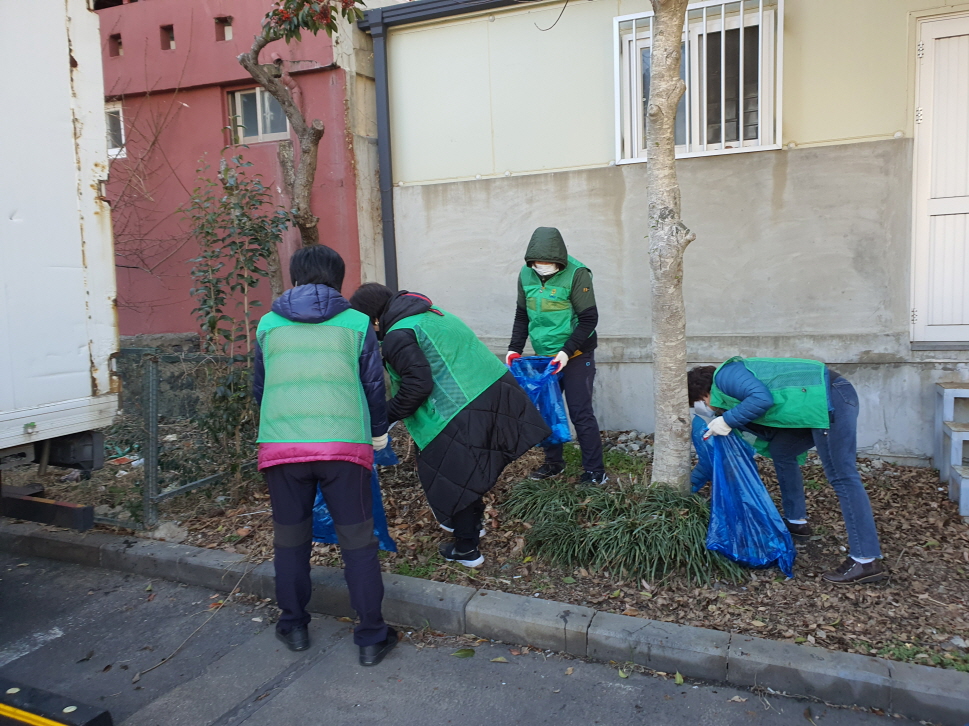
(299, 178)
(668, 239)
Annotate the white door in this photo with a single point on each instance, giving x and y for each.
(940, 310)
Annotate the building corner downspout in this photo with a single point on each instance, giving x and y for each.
(378, 30)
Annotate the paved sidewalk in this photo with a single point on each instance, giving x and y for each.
(85, 632)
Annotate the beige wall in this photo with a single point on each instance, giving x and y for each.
(491, 94)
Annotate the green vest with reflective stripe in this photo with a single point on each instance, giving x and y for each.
(313, 392)
(799, 388)
(551, 318)
(461, 365)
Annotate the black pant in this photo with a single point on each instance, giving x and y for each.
(346, 489)
(576, 381)
(467, 526)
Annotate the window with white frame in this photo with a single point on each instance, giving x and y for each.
(730, 62)
(256, 116)
(114, 120)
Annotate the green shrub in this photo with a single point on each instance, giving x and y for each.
(636, 530)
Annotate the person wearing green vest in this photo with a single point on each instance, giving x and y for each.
(792, 405)
(319, 383)
(466, 413)
(557, 310)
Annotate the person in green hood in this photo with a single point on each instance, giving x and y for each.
(557, 310)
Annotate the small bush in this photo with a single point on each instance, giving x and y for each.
(636, 531)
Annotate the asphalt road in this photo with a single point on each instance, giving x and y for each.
(85, 633)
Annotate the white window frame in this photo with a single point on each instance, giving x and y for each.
(115, 152)
(716, 16)
(235, 119)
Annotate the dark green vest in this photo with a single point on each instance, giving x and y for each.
(462, 367)
(313, 392)
(551, 318)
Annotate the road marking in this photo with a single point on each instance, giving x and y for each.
(28, 645)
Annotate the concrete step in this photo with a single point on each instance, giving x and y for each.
(241, 681)
(956, 427)
(959, 488)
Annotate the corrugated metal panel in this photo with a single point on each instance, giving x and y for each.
(949, 266)
(950, 118)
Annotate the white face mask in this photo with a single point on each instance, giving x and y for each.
(545, 270)
(703, 410)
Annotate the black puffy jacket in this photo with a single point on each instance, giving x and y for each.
(465, 460)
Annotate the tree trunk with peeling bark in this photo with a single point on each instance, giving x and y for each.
(298, 175)
(668, 239)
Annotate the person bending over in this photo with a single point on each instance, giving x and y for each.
(320, 388)
(466, 413)
(791, 405)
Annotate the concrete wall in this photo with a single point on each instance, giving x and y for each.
(799, 252)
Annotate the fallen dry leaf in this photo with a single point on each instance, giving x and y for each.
(737, 699)
(569, 671)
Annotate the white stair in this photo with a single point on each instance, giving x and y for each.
(950, 438)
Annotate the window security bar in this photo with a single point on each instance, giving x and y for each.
(731, 63)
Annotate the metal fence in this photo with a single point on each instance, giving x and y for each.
(141, 368)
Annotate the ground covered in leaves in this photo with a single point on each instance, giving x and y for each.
(920, 615)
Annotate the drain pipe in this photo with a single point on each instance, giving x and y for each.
(378, 31)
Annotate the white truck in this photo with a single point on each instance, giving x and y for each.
(58, 321)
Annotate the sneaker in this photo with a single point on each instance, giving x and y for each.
(450, 530)
(547, 471)
(371, 655)
(598, 478)
(296, 639)
(799, 531)
(471, 558)
(851, 572)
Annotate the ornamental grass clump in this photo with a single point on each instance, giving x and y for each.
(638, 530)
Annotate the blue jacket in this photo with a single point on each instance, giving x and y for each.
(755, 398)
(314, 304)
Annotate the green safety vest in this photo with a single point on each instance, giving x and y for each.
(551, 318)
(461, 365)
(799, 388)
(313, 391)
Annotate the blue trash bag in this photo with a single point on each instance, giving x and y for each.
(704, 449)
(745, 526)
(323, 529)
(534, 374)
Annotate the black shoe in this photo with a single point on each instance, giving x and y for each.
(598, 478)
(371, 655)
(799, 531)
(296, 639)
(471, 558)
(851, 572)
(547, 471)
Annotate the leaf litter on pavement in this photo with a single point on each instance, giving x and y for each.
(919, 615)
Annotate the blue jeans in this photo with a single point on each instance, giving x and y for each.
(837, 448)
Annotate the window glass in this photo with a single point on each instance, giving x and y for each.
(273, 118)
(249, 114)
(115, 132)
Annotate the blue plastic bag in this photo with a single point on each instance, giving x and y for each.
(534, 374)
(745, 526)
(704, 449)
(323, 529)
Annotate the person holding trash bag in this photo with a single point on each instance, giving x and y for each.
(557, 310)
(320, 388)
(791, 405)
(466, 413)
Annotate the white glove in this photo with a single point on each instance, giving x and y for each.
(718, 427)
(380, 442)
(562, 360)
(510, 356)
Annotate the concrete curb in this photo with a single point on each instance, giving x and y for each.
(920, 692)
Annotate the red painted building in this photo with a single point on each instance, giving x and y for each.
(176, 98)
